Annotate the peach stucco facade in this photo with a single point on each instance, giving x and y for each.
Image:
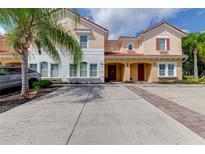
(156, 54)
(142, 62)
(7, 57)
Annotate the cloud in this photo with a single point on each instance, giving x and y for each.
(2, 31)
(130, 21)
(186, 30)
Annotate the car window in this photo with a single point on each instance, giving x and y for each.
(14, 71)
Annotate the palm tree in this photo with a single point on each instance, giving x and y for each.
(194, 44)
(38, 27)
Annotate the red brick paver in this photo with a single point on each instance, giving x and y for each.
(187, 117)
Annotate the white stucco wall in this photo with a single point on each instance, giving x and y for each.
(91, 56)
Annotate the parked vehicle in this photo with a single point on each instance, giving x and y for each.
(11, 77)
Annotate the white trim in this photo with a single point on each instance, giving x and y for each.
(130, 43)
(96, 70)
(7, 56)
(58, 71)
(82, 31)
(162, 36)
(166, 69)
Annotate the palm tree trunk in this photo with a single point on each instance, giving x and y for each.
(195, 64)
(24, 68)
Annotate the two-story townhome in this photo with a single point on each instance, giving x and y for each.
(7, 57)
(156, 54)
(92, 38)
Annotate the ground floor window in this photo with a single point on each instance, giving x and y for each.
(33, 66)
(167, 70)
(93, 70)
(73, 70)
(54, 70)
(83, 69)
(44, 69)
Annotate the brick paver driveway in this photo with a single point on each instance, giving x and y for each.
(92, 114)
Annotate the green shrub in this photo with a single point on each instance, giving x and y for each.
(164, 82)
(128, 81)
(190, 78)
(184, 81)
(42, 84)
(60, 82)
(202, 79)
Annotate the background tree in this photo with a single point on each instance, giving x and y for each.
(194, 42)
(38, 27)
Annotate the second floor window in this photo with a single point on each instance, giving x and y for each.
(130, 47)
(84, 41)
(163, 44)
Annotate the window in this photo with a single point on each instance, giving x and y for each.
(83, 69)
(44, 69)
(54, 70)
(93, 70)
(33, 67)
(84, 41)
(73, 70)
(167, 70)
(13, 71)
(162, 70)
(130, 47)
(162, 44)
(170, 69)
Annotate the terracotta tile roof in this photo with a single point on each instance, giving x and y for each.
(92, 22)
(149, 29)
(136, 54)
(6, 53)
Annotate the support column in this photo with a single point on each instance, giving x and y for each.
(126, 75)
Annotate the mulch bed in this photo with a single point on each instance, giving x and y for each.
(12, 100)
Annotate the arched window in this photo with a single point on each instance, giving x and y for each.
(44, 69)
(130, 46)
(83, 69)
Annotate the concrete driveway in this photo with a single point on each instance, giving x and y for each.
(92, 114)
(189, 96)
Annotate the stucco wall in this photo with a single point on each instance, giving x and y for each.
(96, 37)
(90, 56)
(149, 43)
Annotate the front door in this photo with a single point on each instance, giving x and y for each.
(141, 72)
(112, 72)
